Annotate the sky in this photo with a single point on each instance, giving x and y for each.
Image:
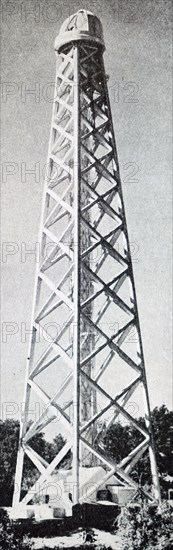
(138, 61)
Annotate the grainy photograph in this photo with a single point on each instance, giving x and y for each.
(86, 425)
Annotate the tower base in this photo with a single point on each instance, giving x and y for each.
(55, 499)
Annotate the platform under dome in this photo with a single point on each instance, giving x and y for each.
(82, 25)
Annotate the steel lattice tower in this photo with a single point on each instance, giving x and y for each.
(84, 281)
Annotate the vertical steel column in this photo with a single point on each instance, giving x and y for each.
(153, 464)
(18, 476)
(152, 454)
(32, 342)
(76, 333)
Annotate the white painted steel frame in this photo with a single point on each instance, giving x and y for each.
(82, 87)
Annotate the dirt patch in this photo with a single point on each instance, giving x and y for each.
(75, 540)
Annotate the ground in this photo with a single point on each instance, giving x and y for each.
(74, 540)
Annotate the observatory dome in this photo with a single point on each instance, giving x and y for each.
(82, 25)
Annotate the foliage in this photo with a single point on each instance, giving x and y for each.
(9, 436)
(147, 526)
(10, 539)
(119, 440)
(162, 420)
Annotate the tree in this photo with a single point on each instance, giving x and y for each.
(147, 526)
(9, 435)
(162, 420)
(57, 445)
(11, 538)
(119, 440)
